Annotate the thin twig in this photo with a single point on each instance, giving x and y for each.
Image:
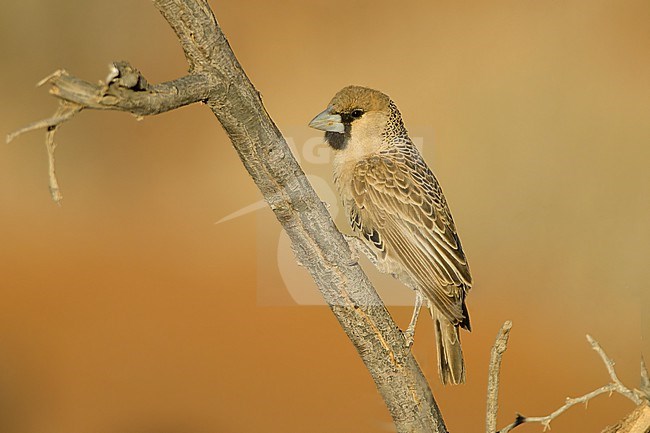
(500, 346)
(614, 386)
(570, 402)
(125, 89)
(64, 112)
(59, 117)
(40, 124)
(609, 364)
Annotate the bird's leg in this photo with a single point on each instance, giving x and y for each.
(410, 331)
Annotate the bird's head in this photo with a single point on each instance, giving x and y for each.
(355, 111)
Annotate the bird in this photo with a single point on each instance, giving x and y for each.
(398, 214)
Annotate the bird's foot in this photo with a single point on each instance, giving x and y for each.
(409, 334)
(410, 331)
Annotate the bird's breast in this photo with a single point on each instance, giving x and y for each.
(343, 169)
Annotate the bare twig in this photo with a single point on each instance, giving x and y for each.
(65, 111)
(125, 90)
(49, 123)
(500, 346)
(614, 386)
(609, 364)
(59, 117)
(570, 402)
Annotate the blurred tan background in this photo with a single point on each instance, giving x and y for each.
(128, 310)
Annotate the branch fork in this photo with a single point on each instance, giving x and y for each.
(638, 397)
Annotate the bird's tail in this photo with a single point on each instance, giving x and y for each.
(451, 366)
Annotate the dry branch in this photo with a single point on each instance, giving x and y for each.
(614, 386)
(217, 79)
(500, 346)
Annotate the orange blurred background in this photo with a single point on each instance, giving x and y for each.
(128, 310)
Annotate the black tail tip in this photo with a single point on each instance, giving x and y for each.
(465, 322)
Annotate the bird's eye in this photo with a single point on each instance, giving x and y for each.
(356, 113)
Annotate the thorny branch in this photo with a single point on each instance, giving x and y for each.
(64, 113)
(636, 396)
(616, 384)
(217, 79)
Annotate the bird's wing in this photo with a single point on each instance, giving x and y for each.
(398, 206)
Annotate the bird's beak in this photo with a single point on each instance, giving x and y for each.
(326, 121)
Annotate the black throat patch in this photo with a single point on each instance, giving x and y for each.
(339, 140)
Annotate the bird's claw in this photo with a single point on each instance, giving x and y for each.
(409, 334)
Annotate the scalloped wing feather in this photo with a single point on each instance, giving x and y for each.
(399, 205)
